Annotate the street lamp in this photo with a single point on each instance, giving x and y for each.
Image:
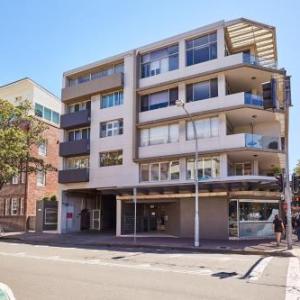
(180, 103)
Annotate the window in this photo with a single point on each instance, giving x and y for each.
(201, 49)
(111, 128)
(159, 61)
(202, 90)
(242, 169)
(46, 113)
(208, 167)
(40, 178)
(14, 206)
(159, 135)
(78, 134)
(42, 149)
(205, 128)
(15, 179)
(79, 106)
(111, 158)
(160, 171)
(81, 162)
(117, 68)
(50, 216)
(112, 99)
(7, 206)
(39, 110)
(159, 99)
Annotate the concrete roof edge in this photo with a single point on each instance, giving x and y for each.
(34, 83)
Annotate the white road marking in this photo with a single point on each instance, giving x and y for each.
(259, 269)
(147, 267)
(292, 291)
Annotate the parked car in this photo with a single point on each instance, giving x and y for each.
(6, 293)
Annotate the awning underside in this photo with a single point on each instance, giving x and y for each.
(243, 34)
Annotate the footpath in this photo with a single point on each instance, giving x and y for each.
(152, 243)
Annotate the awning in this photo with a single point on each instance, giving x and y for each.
(242, 33)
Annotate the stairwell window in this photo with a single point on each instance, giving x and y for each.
(201, 49)
(202, 90)
(111, 158)
(159, 61)
(111, 128)
(111, 99)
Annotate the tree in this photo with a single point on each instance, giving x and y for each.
(20, 131)
(297, 168)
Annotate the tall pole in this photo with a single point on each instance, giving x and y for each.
(134, 200)
(287, 188)
(196, 163)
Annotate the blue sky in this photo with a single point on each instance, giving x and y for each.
(42, 39)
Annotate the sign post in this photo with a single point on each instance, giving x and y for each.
(134, 200)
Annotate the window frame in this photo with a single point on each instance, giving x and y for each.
(201, 167)
(113, 129)
(116, 101)
(43, 182)
(210, 94)
(14, 206)
(45, 146)
(77, 162)
(189, 126)
(147, 132)
(149, 167)
(73, 132)
(119, 153)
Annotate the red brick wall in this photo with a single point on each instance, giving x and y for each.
(35, 192)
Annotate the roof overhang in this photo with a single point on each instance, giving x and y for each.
(243, 33)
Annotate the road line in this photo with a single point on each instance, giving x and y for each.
(259, 269)
(292, 291)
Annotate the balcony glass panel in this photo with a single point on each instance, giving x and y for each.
(261, 142)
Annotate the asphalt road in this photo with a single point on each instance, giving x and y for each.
(44, 273)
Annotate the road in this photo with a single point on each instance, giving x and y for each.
(46, 273)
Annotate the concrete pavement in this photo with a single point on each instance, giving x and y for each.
(44, 272)
(96, 239)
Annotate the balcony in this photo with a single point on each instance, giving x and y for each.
(258, 61)
(80, 118)
(74, 148)
(92, 87)
(258, 141)
(73, 175)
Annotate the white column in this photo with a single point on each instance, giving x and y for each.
(181, 54)
(221, 85)
(223, 165)
(255, 167)
(118, 217)
(221, 43)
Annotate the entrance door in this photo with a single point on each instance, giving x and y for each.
(95, 219)
(233, 219)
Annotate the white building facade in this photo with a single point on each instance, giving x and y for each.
(123, 130)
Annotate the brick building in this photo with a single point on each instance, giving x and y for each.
(18, 198)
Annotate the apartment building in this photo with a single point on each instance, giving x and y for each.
(123, 130)
(18, 199)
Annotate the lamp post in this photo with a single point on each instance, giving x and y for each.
(180, 103)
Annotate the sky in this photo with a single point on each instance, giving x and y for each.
(42, 39)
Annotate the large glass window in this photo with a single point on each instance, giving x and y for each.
(74, 107)
(111, 158)
(159, 61)
(159, 99)
(81, 162)
(118, 68)
(46, 113)
(159, 135)
(201, 49)
(160, 171)
(208, 167)
(202, 90)
(111, 99)
(111, 128)
(205, 128)
(78, 134)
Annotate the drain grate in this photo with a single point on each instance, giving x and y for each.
(118, 257)
(223, 275)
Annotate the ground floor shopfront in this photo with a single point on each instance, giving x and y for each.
(222, 215)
